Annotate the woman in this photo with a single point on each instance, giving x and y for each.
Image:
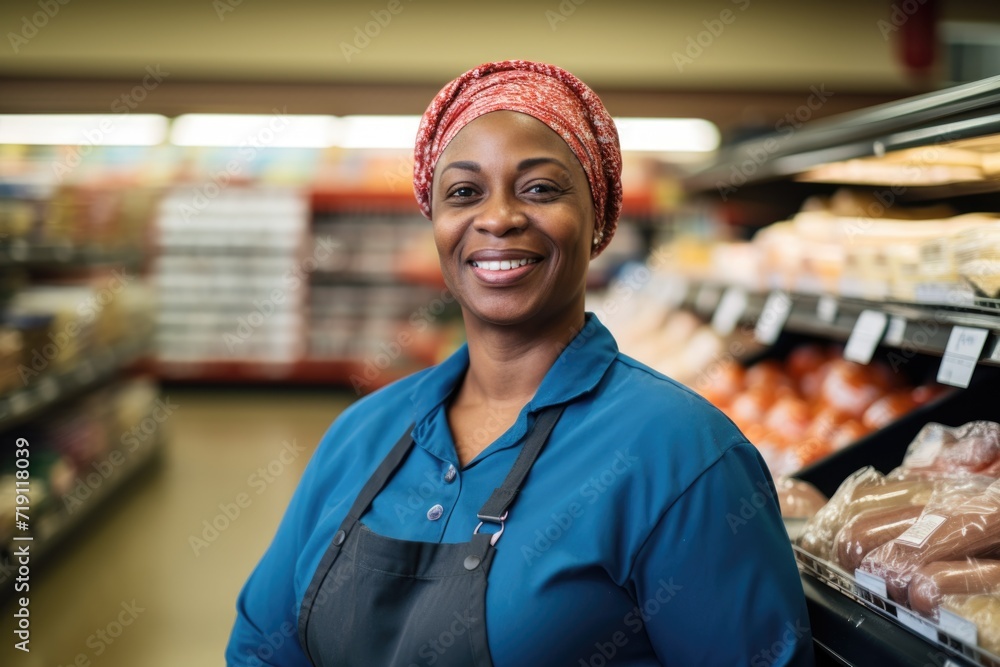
(551, 502)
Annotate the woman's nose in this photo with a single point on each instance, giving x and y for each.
(500, 215)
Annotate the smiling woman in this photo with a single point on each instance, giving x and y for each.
(551, 501)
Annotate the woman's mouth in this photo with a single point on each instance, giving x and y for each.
(503, 271)
(503, 265)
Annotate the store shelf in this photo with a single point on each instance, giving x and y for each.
(306, 371)
(925, 327)
(20, 253)
(954, 114)
(51, 387)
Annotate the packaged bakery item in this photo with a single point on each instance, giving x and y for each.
(798, 499)
(933, 581)
(954, 525)
(865, 490)
(984, 611)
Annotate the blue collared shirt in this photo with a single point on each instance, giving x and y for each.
(647, 533)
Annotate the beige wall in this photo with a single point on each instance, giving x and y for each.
(771, 44)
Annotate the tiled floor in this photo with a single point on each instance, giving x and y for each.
(138, 565)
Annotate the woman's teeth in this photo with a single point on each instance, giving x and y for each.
(504, 265)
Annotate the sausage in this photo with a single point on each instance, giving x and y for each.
(967, 529)
(984, 611)
(869, 530)
(963, 577)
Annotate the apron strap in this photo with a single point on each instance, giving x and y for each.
(381, 475)
(495, 509)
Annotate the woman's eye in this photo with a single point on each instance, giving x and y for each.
(542, 189)
(462, 192)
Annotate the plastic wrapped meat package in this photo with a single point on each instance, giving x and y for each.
(932, 582)
(866, 490)
(961, 521)
(971, 448)
(798, 499)
(984, 611)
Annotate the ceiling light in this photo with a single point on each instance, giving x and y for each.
(83, 129)
(667, 135)
(277, 130)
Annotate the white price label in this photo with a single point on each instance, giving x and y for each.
(730, 310)
(773, 317)
(826, 309)
(707, 299)
(870, 582)
(866, 336)
(896, 330)
(961, 355)
(958, 627)
(921, 626)
(918, 533)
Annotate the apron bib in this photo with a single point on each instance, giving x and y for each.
(377, 601)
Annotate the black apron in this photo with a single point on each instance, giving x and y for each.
(376, 601)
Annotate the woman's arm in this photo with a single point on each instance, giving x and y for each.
(716, 581)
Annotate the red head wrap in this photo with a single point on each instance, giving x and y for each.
(546, 92)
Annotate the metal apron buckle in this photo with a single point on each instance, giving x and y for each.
(496, 535)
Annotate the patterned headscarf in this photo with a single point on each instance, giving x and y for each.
(546, 92)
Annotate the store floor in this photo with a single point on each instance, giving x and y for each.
(137, 588)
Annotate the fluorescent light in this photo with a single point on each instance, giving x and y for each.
(83, 129)
(277, 130)
(667, 135)
(378, 131)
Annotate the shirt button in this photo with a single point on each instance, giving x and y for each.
(450, 474)
(435, 513)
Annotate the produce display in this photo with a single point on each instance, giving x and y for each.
(814, 402)
(930, 529)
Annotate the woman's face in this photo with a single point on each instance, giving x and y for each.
(513, 222)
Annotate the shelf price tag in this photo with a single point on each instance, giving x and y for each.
(961, 355)
(826, 309)
(917, 624)
(895, 332)
(730, 310)
(773, 317)
(871, 583)
(707, 299)
(958, 627)
(866, 336)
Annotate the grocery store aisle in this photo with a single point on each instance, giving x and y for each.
(146, 583)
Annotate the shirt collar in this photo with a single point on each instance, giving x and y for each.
(576, 371)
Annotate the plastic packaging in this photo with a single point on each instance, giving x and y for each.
(869, 530)
(865, 490)
(798, 499)
(984, 611)
(963, 577)
(972, 447)
(953, 528)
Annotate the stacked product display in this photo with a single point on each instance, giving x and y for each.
(75, 314)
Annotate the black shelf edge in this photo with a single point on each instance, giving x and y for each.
(20, 253)
(23, 403)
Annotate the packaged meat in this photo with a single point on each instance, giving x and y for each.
(972, 447)
(963, 577)
(984, 611)
(865, 490)
(869, 530)
(945, 531)
(798, 499)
